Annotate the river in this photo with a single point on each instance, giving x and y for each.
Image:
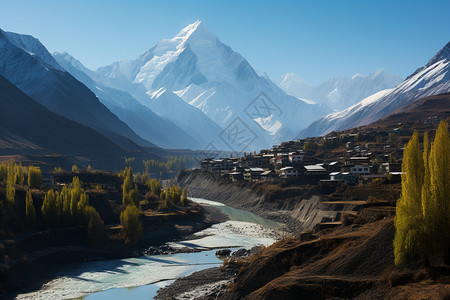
(140, 278)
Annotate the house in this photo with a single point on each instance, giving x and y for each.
(361, 169)
(296, 157)
(269, 175)
(253, 174)
(365, 179)
(315, 170)
(288, 172)
(282, 158)
(347, 177)
(386, 168)
(236, 176)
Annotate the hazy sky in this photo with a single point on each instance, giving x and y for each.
(315, 39)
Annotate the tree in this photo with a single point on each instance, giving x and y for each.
(439, 165)
(184, 197)
(10, 181)
(30, 210)
(131, 225)
(18, 174)
(95, 225)
(74, 168)
(34, 177)
(3, 172)
(423, 210)
(408, 241)
(49, 209)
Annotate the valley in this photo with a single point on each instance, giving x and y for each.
(179, 150)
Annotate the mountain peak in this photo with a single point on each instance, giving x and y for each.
(196, 29)
(444, 53)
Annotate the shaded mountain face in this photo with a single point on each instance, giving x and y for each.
(139, 117)
(431, 79)
(208, 75)
(26, 63)
(27, 127)
(339, 92)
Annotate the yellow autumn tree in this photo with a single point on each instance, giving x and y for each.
(423, 210)
(439, 198)
(131, 225)
(408, 241)
(29, 209)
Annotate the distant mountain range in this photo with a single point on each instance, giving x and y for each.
(210, 77)
(339, 92)
(190, 91)
(431, 79)
(144, 121)
(26, 63)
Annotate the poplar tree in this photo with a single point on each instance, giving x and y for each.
(439, 164)
(408, 241)
(131, 225)
(18, 174)
(10, 181)
(49, 209)
(30, 210)
(423, 210)
(184, 197)
(34, 177)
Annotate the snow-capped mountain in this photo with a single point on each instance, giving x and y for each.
(431, 79)
(339, 92)
(208, 75)
(140, 118)
(26, 63)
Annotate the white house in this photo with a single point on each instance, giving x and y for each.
(288, 172)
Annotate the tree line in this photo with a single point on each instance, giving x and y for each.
(129, 218)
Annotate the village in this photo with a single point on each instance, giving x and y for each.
(338, 158)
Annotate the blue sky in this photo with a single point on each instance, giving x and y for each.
(315, 39)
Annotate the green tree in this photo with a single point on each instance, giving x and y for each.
(34, 177)
(131, 225)
(30, 210)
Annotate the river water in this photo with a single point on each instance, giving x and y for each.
(140, 278)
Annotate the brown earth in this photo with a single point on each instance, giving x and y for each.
(349, 262)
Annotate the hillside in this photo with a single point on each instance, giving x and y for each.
(27, 127)
(26, 63)
(423, 110)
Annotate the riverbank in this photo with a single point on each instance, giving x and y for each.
(35, 268)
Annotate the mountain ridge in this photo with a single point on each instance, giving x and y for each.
(429, 80)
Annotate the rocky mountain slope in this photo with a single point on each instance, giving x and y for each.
(27, 64)
(431, 79)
